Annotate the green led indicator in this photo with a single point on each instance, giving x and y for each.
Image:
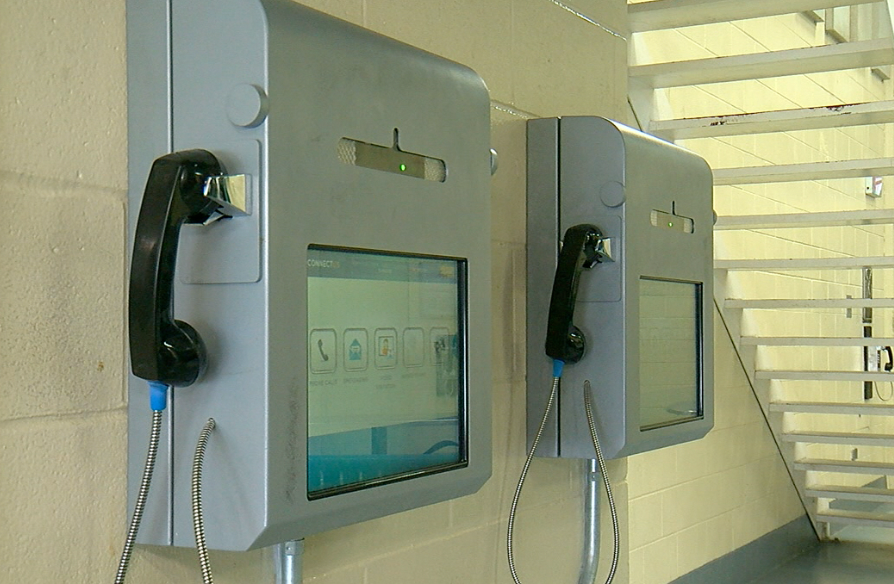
(403, 167)
(670, 224)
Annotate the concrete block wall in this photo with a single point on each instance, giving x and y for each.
(711, 503)
(62, 306)
(693, 503)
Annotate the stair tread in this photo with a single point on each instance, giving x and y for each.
(863, 517)
(796, 220)
(840, 434)
(849, 490)
(850, 438)
(831, 116)
(801, 61)
(779, 303)
(803, 171)
(840, 263)
(819, 375)
(818, 341)
(883, 408)
(666, 14)
(852, 465)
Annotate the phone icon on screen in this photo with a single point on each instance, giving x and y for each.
(322, 353)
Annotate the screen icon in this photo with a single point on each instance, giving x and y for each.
(321, 350)
(445, 349)
(414, 347)
(386, 348)
(438, 344)
(356, 343)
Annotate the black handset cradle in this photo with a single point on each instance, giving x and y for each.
(564, 341)
(161, 348)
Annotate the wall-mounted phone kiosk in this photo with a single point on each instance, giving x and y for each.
(344, 312)
(643, 307)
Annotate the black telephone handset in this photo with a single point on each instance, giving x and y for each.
(564, 341)
(161, 348)
(890, 364)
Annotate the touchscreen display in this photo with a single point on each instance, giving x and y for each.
(670, 352)
(386, 382)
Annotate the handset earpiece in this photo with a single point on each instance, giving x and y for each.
(161, 348)
(564, 341)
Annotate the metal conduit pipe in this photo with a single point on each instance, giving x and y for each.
(287, 557)
(590, 551)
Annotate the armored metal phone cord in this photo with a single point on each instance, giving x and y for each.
(616, 537)
(521, 480)
(879, 394)
(198, 521)
(143, 493)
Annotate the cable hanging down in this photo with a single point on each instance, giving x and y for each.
(616, 539)
(198, 521)
(157, 398)
(143, 493)
(521, 481)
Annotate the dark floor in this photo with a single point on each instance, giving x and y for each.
(837, 563)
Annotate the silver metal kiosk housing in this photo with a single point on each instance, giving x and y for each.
(649, 358)
(271, 88)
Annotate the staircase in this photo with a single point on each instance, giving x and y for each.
(803, 256)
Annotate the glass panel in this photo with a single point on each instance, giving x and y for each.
(386, 380)
(670, 352)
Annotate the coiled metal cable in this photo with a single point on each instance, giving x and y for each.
(198, 521)
(142, 494)
(521, 481)
(616, 550)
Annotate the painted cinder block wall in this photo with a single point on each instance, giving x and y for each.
(62, 306)
(722, 492)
